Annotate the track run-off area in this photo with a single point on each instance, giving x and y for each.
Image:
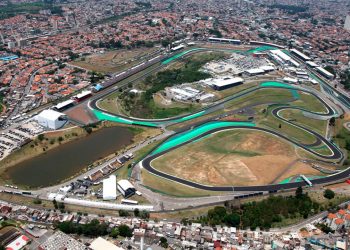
(207, 128)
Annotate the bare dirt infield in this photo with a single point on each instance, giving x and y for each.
(234, 157)
(114, 60)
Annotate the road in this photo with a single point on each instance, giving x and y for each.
(298, 226)
(171, 203)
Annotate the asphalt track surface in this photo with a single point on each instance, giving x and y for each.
(336, 155)
(319, 139)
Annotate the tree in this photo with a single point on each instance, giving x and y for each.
(41, 137)
(232, 220)
(123, 213)
(125, 231)
(163, 242)
(328, 194)
(165, 43)
(37, 201)
(88, 130)
(55, 204)
(299, 192)
(61, 205)
(144, 214)
(114, 233)
(332, 121)
(137, 212)
(330, 69)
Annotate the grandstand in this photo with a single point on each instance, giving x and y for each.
(325, 73)
(300, 55)
(224, 40)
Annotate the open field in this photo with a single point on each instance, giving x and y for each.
(319, 126)
(262, 95)
(113, 61)
(234, 157)
(309, 102)
(166, 187)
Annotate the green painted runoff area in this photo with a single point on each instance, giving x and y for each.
(276, 85)
(113, 118)
(299, 179)
(189, 135)
(169, 60)
(189, 117)
(261, 49)
(295, 94)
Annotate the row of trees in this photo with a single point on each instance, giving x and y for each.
(94, 229)
(291, 9)
(345, 79)
(265, 213)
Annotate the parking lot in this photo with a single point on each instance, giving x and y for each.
(18, 136)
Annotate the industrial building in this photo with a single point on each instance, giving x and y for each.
(311, 64)
(182, 93)
(282, 58)
(109, 191)
(254, 72)
(300, 55)
(290, 80)
(51, 119)
(325, 73)
(221, 84)
(126, 188)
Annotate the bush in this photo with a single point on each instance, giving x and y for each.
(88, 130)
(123, 213)
(125, 231)
(114, 233)
(163, 242)
(37, 201)
(41, 137)
(328, 194)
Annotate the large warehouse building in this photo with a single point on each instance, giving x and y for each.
(221, 84)
(51, 119)
(126, 188)
(109, 191)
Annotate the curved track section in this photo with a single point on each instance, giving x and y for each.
(336, 154)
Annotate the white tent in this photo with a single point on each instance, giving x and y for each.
(51, 119)
(110, 188)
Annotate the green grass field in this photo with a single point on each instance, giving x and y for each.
(297, 117)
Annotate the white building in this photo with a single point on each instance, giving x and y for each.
(110, 188)
(126, 188)
(347, 23)
(51, 119)
(102, 244)
(221, 84)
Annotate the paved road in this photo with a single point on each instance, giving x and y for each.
(302, 224)
(335, 155)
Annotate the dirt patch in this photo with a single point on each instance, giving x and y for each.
(116, 60)
(81, 115)
(234, 157)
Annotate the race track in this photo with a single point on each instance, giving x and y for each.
(335, 156)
